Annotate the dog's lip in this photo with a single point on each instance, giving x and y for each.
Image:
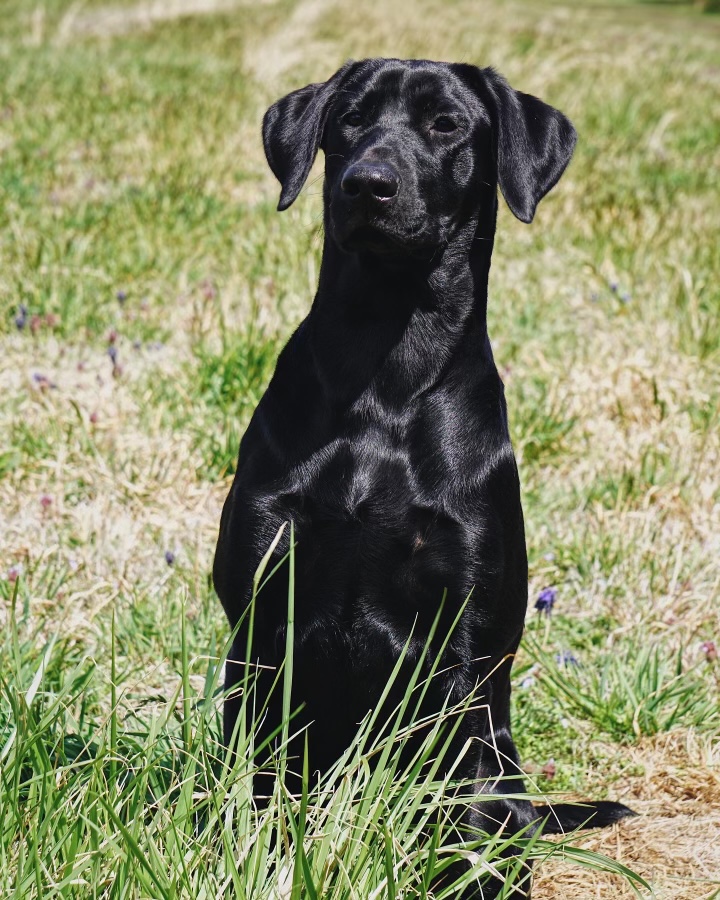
(367, 236)
(372, 237)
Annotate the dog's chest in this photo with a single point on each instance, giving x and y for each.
(373, 543)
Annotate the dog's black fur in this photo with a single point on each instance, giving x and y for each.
(383, 435)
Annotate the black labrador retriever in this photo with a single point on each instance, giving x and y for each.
(383, 435)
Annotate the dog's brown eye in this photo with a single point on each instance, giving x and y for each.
(444, 124)
(352, 118)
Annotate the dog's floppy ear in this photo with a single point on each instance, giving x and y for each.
(534, 141)
(292, 131)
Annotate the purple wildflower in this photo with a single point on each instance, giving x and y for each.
(42, 381)
(121, 297)
(566, 658)
(546, 600)
(112, 352)
(169, 557)
(21, 317)
(530, 679)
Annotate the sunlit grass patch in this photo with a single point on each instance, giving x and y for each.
(633, 691)
(141, 797)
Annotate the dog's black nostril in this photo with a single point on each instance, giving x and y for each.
(386, 186)
(350, 186)
(376, 180)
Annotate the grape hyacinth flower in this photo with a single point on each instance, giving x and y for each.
(112, 352)
(546, 600)
(42, 381)
(531, 678)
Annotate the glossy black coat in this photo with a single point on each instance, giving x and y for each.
(383, 435)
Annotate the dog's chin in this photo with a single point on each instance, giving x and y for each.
(381, 242)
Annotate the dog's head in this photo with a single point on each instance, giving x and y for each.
(413, 149)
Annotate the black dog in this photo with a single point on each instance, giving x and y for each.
(383, 435)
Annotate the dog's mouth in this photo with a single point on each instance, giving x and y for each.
(372, 239)
(379, 240)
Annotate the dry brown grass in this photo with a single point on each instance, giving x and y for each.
(675, 841)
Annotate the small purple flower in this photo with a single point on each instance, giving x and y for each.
(42, 381)
(566, 658)
(614, 287)
(46, 501)
(169, 557)
(546, 600)
(121, 297)
(625, 297)
(531, 678)
(112, 352)
(21, 317)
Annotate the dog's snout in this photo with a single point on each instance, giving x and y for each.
(372, 180)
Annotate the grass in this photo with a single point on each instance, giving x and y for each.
(137, 222)
(140, 803)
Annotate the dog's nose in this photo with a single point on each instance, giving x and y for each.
(375, 180)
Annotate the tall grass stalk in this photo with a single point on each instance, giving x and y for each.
(129, 805)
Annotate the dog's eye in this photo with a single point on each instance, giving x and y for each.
(353, 118)
(444, 124)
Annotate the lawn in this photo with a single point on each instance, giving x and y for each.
(146, 285)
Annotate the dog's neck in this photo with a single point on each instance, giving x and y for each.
(399, 324)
